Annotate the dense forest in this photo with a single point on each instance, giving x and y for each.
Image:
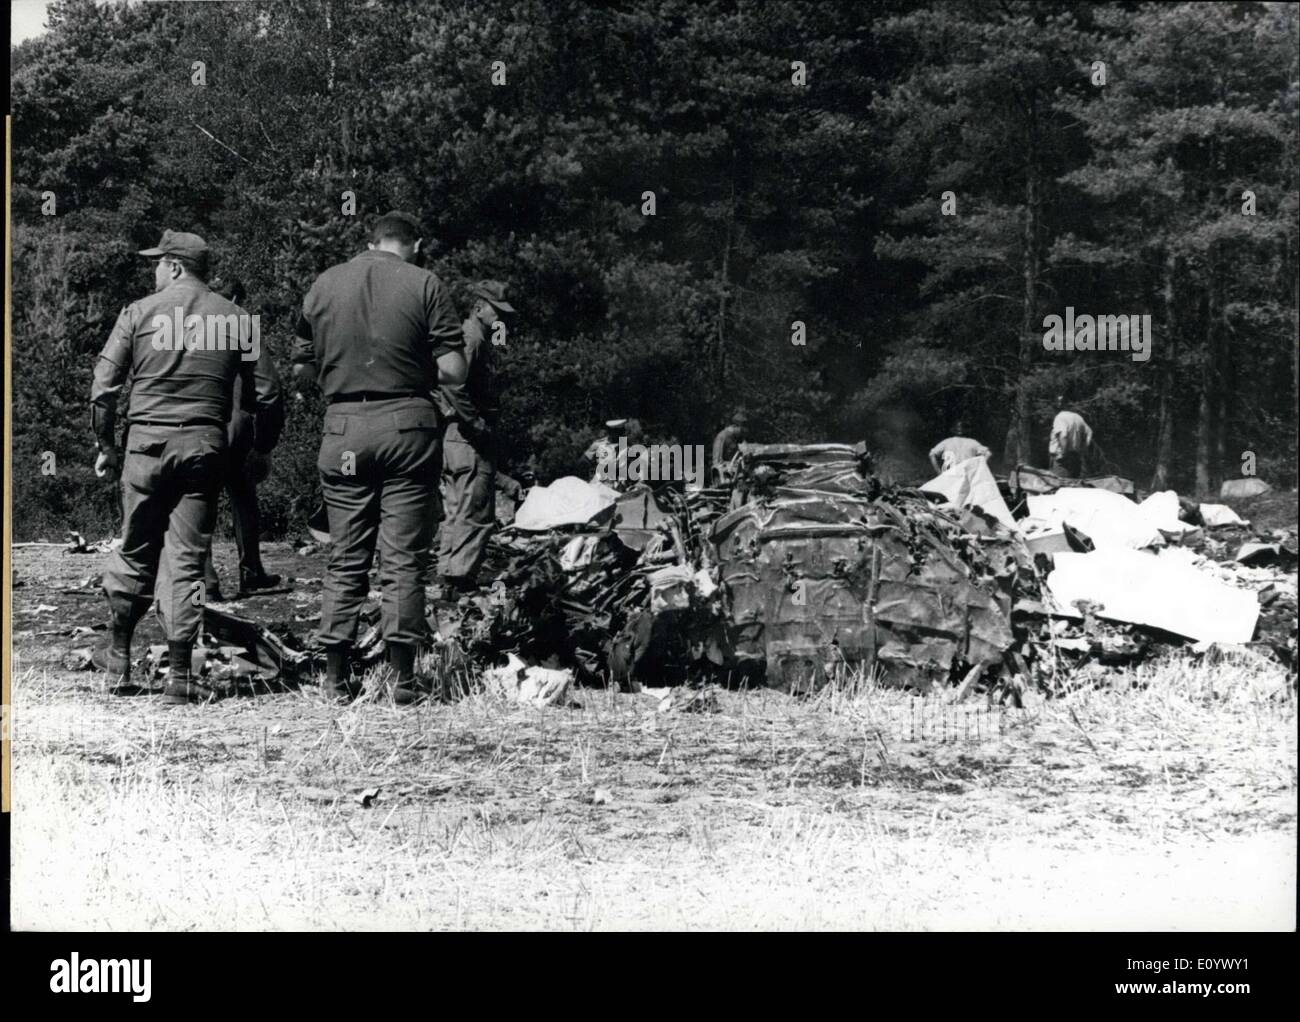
(918, 185)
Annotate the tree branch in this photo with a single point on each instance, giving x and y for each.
(221, 143)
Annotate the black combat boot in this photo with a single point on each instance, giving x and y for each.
(338, 685)
(457, 585)
(406, 686)
(115, 656)
(181, 686)
(251, 581)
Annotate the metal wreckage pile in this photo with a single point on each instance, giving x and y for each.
(807, 567)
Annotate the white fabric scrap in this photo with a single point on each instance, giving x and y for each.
(567, 501)
(1215, 515)
(1110, 520)
(1164, 592)
(969, 483)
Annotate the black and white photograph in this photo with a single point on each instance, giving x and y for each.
(662, 465)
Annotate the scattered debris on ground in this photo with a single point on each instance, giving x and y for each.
(76, 544)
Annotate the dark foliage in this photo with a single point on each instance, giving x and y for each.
(775, 203)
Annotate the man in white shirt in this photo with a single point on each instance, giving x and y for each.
(956, 449)
(1069, 443)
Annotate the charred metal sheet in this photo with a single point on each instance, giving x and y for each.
(822, 468)
(1026, 479)
(267, 651)
(639, 518)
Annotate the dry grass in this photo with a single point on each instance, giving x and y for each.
(1165, 800)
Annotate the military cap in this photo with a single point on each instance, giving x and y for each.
(615, 423)
(493, 292)
(179, 243)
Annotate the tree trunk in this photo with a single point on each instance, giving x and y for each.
(1030, 336)
(1203, 433)
(1207, 404)
(1165, 431)
(725, 283)
(1218, 380)
(1288, 286)
(329, 47)
(1222, 411)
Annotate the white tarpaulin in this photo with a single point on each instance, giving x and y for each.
(1111, 521)
(969, 483)
(1161, 592)
(1215, 515)
(1161, 510)
(567, 501)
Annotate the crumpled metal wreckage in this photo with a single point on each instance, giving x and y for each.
(806, 565)
(823, 566)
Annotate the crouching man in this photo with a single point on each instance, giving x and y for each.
(954, 450)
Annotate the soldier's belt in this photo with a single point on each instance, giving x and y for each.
(373, 395)
(178, 425)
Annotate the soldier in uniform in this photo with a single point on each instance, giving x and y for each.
(379, 335)
(240, 483)
(185, 347)
(468, 458)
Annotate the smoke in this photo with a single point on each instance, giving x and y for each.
(900, 438)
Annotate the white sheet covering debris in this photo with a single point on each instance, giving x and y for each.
(969, 483)
(1111, 521)
(1161, 510)
(1160, 592)
(1215, 515)
(567, 501)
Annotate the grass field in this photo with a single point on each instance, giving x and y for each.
(1165, 799)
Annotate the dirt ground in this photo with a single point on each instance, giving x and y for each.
(1162, 799)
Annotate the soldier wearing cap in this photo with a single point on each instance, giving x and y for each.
(185, 347)
(379, 335)
(468, 456)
